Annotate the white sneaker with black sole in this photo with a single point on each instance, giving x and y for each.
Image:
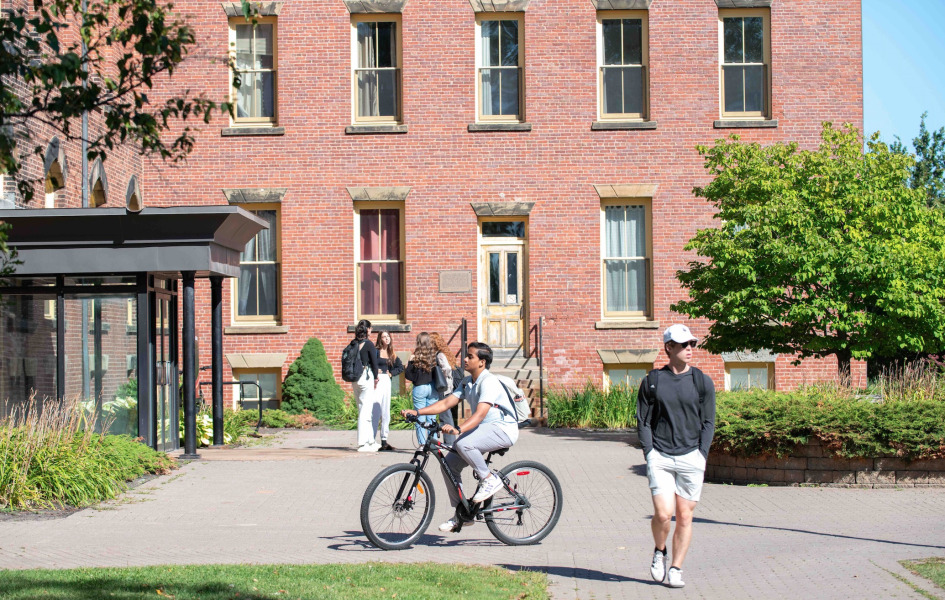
(488, 488)
(674, 579)
(658, 567)
(452, 524)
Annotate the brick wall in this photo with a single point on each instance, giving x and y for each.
(816, 76)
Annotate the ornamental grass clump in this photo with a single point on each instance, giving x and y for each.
(592, 407)
(51, 456)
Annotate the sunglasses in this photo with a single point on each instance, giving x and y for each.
(690, 343)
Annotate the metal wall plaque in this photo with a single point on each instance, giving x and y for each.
(455, 281)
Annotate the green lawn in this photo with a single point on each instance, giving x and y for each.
(369, 581)
(930, 568)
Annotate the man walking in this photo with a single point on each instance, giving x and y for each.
(676, 422)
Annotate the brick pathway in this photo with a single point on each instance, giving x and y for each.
(300, 505)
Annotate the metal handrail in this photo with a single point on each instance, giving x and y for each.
(241, 384)
(541, 370)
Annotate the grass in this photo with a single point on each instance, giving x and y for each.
(932, 569)
(371, 581)
(592, 407)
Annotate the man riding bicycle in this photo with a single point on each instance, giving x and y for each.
(492, 426)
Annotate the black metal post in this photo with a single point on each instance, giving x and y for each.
(190, 380)
(97, 351)
(216, 358)
(462, 356)
(60, 340)
(145, 361)
(541, 370)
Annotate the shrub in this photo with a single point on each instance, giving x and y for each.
(310, 384)
(50, 456)
(347, 418)
(592, 407)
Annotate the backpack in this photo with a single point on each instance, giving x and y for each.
(351, 367)
(517, 399)
(698, 378)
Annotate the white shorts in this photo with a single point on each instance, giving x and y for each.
(680, 475)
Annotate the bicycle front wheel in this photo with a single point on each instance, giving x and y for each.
(508, 517)
(397, 507)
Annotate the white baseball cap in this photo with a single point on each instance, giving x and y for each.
(678, 333)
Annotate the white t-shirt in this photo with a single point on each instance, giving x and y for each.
(488, 389)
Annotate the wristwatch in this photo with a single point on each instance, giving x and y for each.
(458, 430)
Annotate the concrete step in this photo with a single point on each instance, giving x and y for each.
(521, 374)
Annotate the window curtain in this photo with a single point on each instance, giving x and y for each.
(380, 276)
(625, 258)
(367, 59)
(258, 283)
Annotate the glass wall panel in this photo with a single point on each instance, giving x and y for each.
(27, 350)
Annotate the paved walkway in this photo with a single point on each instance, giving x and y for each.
(299, 504)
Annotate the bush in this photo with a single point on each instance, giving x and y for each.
(593, 407)
(310, 384)
(347, 418)
(50, 456)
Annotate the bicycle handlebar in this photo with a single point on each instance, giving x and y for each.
(432, 426)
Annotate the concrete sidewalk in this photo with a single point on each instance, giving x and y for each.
(299, 503)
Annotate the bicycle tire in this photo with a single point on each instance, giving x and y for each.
(526, 526)
(385, 520)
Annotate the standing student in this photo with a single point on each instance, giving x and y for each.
(446, 361)
(676, 422)
(364, 388)
(388, 367)
(419, 371)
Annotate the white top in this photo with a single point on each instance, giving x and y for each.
(488, 389)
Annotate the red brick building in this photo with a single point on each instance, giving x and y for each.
(422, 161)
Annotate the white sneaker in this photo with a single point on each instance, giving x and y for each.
(452, 524)
(675, 578)
(658, 568)
(487, 489)
(368, 448)
(376, 446)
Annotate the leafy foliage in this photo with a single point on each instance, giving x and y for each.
(310, 384)
(820, 252)
(47, 77)
(347, 418)
(593, 407)
(928, 173)
(758, 423)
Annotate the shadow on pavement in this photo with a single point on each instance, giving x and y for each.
(807, 531)
(356, 541)
(590, 435)
(579, 573)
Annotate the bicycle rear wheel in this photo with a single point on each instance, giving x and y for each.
(509, 520)
(397, 507)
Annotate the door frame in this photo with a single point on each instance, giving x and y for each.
(481, 274)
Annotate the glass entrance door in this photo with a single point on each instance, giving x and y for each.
(165, 370)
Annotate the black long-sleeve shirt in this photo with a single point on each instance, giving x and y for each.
(369, 357)
(417, 375)
(671, 422)
(384, 366)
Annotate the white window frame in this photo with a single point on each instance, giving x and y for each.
(276, 319)
(765, 14)
(643, 16)
(749, 365)
(606, 315)
(277, 371)
(398, 37)
(497, 16)
(647, 367)
(234, 93)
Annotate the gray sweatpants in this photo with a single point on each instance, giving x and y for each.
(470, 449)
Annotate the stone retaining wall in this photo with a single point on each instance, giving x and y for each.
(811, 464)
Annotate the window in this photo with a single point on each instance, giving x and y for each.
(377, 74)
(258, 296)
(55, 181)
(269, 384)
(500, 61)
(627, 375)
(744, 42)
(380, 265)
(744, 376)
(255, 65)
(622, 60)
(626, 243)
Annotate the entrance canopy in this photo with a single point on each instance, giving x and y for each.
(206, 240)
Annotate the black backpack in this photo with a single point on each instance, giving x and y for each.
(698, 378)
(351, 367)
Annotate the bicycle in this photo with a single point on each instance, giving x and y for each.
(398, 504)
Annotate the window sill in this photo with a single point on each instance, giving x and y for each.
(388, 327)
(620, 125)
(745, 124)
(476, 127)
(363, 128)
(627, 325)
(244, 131)
(258, 329)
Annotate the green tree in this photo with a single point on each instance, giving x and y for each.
(819, 253)
(929, 170)
(310, 384)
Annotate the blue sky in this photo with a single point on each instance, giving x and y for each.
(903, 66)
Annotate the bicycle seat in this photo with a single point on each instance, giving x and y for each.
(500, 452)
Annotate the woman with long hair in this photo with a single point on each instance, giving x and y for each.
(446, 360)
(419, 371)
(364, 389)
(389, 366)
